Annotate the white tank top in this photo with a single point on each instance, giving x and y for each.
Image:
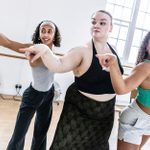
(42, 78)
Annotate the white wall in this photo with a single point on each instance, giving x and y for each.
(18, 21)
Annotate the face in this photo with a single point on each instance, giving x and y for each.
(101, 25)
(47, 33)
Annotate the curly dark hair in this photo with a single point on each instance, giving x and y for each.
(143, 53)
(57, 37)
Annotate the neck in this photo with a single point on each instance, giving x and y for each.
(100, 39)
(101, 46)
(50, 46)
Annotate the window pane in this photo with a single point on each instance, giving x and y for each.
(148, 8)
(129, 3)
(125, 24)
(113, 42)
(126, 14)
(137, 38)
(120, 47)
(120, 2)
(110, 8)
(143, 5)
(147, 22)
(123, 33)
(144, 34)
(115, 31)
(118, 12)
(140, 19)
(133, 55)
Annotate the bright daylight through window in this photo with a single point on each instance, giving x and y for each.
(131, 23)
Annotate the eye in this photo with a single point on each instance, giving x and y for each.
(102, 23)
(43, 31)
(93, 22)
(50, 31)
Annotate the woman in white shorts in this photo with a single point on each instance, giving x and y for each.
(134, 122)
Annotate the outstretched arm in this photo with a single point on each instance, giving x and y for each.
(64, 63)
(122, 86)
(13, 45)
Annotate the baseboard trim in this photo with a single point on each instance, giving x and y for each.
(10, 97)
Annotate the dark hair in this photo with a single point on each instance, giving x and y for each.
(143, 53)
(105, 12)
(36, 37)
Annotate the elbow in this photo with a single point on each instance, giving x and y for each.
(120, 91)
(19, 51)
(55, 69)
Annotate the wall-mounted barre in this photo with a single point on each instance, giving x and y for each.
(12, 56)
(21, 57)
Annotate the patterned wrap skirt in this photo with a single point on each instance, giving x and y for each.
(85, 124)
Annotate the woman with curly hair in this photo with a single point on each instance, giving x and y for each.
(134, 122)
(38, 97)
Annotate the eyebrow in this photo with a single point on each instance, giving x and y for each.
(103, 19)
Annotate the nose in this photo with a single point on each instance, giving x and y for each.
(46, 34)
(97, 24)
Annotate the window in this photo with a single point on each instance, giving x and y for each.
(131, 23)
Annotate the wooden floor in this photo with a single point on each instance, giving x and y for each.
(8, 112)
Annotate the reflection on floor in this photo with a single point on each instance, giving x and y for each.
(8, 111)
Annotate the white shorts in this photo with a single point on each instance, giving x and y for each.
(133, 124)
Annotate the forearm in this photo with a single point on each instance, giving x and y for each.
(117, 80)
(52, 62)
(15, 46)
(57, 64)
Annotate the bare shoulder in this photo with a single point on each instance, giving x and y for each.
(79, 49)
(143, 67)
(147, 67)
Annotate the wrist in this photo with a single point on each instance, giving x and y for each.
(114, 64)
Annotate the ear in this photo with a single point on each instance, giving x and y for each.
(111, 27)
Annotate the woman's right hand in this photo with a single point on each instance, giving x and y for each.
(106, 60)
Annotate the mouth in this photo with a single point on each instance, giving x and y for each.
(95, 30)
(45, 40)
